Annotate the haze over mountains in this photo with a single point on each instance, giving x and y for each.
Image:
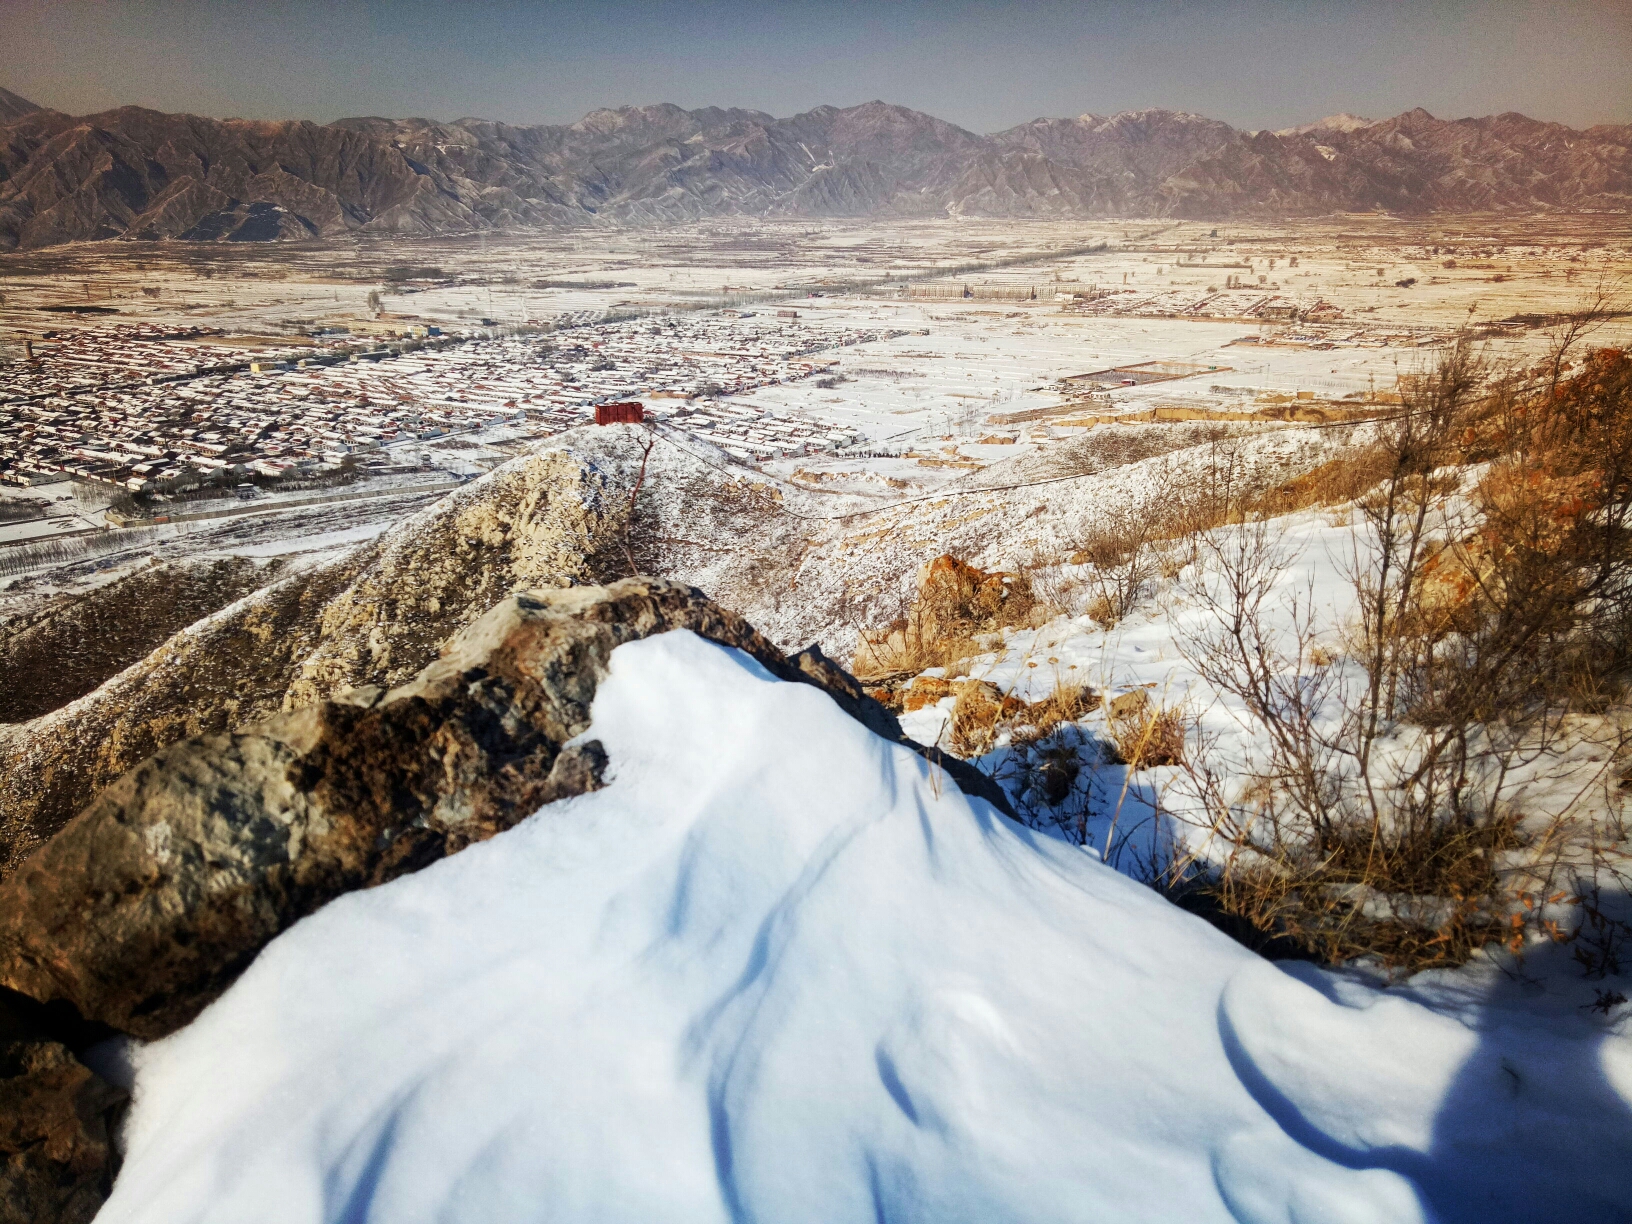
(138, 173)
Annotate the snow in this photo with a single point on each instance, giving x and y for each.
(779, 970)
(320, 541)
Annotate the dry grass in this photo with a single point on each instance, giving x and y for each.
(956, 604)
(73, 645)
(1333, 483)
(1407, 900)
(1493, 609)
(982, 713)
(1068, 703)
(1102, 611)
(1129, 548)
(1149, 736)
(978, 717)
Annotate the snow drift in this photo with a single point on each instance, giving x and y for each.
(780, 971)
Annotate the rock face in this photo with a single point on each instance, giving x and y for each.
(56, 1157)
(137, 173)
(149, 903)
(375, 616)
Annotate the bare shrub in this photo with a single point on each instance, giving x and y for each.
(1425, 897)
(1118, 547)
(1057, 588)
(1600, 939)
(1490, 610)
(1129, 548)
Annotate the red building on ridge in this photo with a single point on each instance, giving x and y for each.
(627, 413)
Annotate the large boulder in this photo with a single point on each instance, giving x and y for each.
(155, 897)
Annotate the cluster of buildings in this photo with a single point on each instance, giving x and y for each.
(160, 411)
(1228, 303)
(749, 433)
(85, 359)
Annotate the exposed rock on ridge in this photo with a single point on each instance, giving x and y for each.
(56, 1119)
(149, 903)
(374, 616)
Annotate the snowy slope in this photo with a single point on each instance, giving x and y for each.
(778, 971)
(807, 567)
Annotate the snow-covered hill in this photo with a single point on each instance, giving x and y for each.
(778, 970)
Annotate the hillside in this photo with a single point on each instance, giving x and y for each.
(800, 567)
(136, 173)
(472, 872)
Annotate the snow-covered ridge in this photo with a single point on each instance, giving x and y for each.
(780, 971)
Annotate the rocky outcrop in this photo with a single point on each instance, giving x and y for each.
(56, 1121)
(544, 521)
(955, 602)
(149, 903)
(375, 616)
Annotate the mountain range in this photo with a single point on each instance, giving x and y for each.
(139, 173)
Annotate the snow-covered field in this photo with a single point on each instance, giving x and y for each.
(779, 971)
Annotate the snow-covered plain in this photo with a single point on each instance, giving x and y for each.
(779, 970)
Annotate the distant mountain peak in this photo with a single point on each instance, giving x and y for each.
(137, 173)
(14, 107)
(1343, 121)
(1162, 112)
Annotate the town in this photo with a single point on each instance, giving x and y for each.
(159, 411)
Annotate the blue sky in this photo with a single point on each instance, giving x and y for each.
(986, 66)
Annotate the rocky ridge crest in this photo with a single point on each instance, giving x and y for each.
(375, 615)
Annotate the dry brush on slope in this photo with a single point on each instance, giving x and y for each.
(68, 647)
(1386, 812)
(569, 515)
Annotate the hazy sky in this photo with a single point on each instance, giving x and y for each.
(1253, 63)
